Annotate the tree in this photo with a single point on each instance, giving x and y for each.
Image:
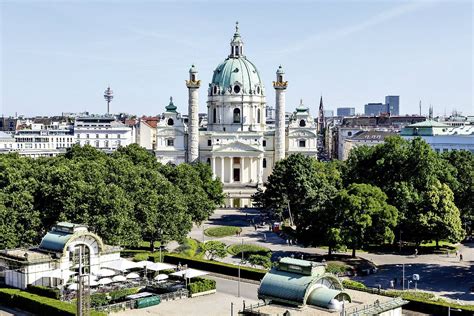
(259, 260)
(365, 215)
(463, 163)
(440, 218)
(214, 249)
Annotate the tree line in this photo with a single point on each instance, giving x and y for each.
(398, 190)
(125, 197)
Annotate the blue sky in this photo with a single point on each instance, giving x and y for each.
(59, 56)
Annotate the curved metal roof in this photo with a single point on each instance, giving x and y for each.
(285, 286)
(322, 296)
(55, 241)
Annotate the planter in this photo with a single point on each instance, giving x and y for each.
(203, 293)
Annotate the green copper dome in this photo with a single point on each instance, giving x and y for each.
(236, 74)
(171, 107)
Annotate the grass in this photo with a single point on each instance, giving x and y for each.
(191, 248)
(248, 249)
(222, 231)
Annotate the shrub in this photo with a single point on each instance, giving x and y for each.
(222, 231)
(353, 285)
(38, 304)
(216, 266)
(190, 248)
(141, 256)
(99, 299)
(214, 249)
(43, 291)
(337, 267)
(201, 285)
(120, 294)
(260, 260)
(248, 250)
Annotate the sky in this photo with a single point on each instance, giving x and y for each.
(60, 56)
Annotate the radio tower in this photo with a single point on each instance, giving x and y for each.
(108, 96)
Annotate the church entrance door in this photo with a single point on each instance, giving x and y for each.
(236, 174)
(236, 203)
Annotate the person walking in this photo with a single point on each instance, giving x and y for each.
(392, 284)
(416, 252)
(460, 256)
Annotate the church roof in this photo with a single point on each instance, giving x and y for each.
(171, 107)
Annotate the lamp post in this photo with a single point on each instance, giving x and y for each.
(108, 96)
(241, 261)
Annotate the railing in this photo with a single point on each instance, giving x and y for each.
(131, 303)
(253, 309)
(375, 308)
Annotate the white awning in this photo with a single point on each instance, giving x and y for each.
(158, 266)
(121, 265)
(73, 286)
(189, 273)
(106, 273)
(119, 278)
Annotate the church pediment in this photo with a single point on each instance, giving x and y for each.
(302, 133)
(170, 131)
(237, 147)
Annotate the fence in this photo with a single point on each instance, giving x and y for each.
(374, 309)
(131, 303)
(253, 309)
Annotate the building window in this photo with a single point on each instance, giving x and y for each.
(264, 162)
(106, 144)
(96, 135)
(349, 133)
(215, 89)
(209, 161)
(87, 135)
(170, 122)
(236, 115)
(264, 143)
(97, 143)
(118, 136)
(258, 116)
(106, 135)
(78, 135)
(170, 142)
(302, 143)
(236, 89)
(258, 90)
(209, 142)
(214, 115)
(302, 123)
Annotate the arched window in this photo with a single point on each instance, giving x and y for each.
(236, 115)
(215, 89)
(214, 115)
(302, 123)
(208, 161)
(264, 162)
(236, 89)
(258, 116)
(170, 121)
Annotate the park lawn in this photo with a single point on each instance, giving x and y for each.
(191, 248)
(248, 249)
(222, 231)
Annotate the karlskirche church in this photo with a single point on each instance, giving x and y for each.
(236, 141)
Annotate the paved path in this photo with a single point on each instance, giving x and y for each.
(439, 273)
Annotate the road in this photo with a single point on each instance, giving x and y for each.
(439, 273)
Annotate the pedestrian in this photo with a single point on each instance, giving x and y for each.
(395, 281)
(264, 236)
(255, 226)
(392, 284)
(287, 242)
(292, 256)
(416, 252)
(291, 242)
(460, 256)
(302, 256)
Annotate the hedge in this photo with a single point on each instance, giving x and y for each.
(100, 299)
(201, 285)
(419, 301)
(37, 304)
(222, 231)
(216, 266)
(43, 291)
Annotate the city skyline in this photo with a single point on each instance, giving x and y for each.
(79, 49)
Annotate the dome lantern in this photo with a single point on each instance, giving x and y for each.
(236, 45)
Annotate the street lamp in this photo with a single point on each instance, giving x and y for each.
(241, 262)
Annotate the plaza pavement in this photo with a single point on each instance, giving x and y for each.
(438, 273)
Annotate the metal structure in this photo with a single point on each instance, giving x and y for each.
(108, 96)
(83, 289)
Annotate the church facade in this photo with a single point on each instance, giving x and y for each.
(236, 142)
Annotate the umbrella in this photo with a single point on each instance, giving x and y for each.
(105, 281)
(106, 273)
(158, 266)
(161, 277)
(93, 283)
(119, 278)
(73, 286)
(133, 275)
(189, 273)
